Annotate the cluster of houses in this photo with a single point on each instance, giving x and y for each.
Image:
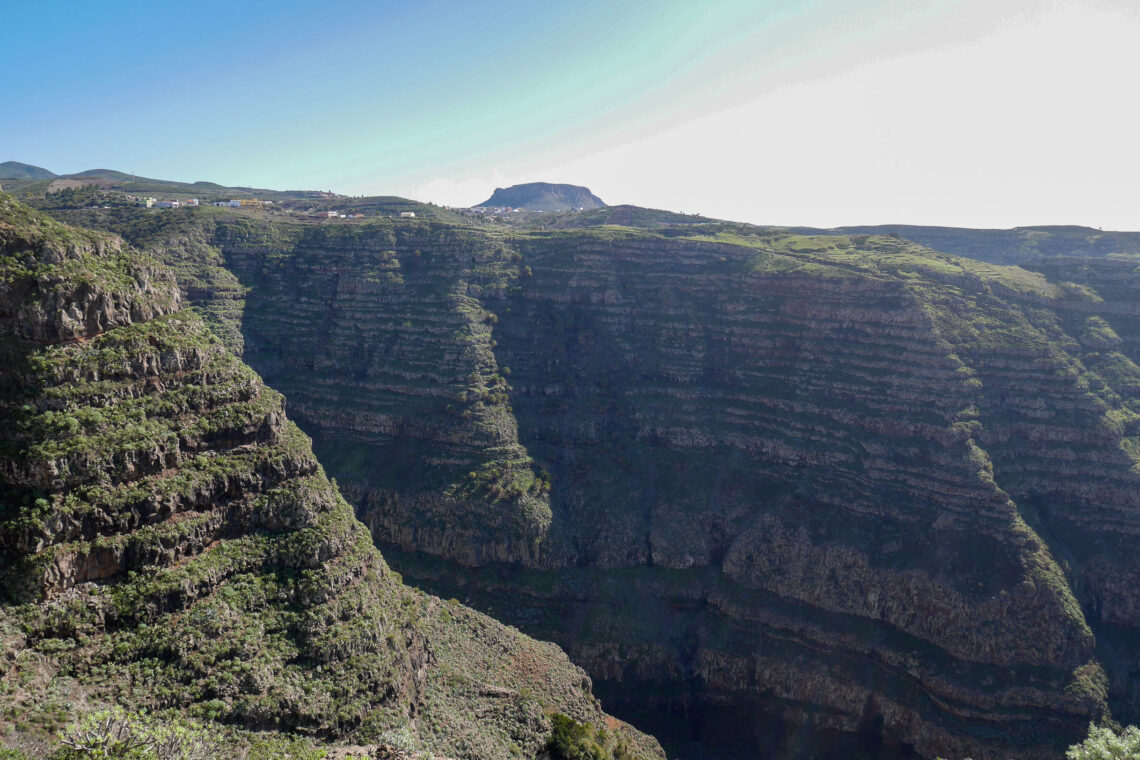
(153, 203)
(235, 203)
(253, 203)
(239, 202)
(490, 210)
(341, 215)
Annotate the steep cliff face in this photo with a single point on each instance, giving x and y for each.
(814, 494)
(812, 422)
(1103, 332)
(168, 539)
(873, 381)
(437, 443)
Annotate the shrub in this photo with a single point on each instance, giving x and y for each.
(116, 734)
(1105, 744)
(571, 740)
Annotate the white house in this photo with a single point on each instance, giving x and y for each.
(407, 214)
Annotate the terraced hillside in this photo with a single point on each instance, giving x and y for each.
(1107, 262)
(779, 493)
(169, 542)
(1015, 246)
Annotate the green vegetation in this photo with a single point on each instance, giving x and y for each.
(117, 734)
(1105, 744)
(1022, 245)
(571, 740)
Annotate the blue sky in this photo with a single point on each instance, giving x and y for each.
(792, 112)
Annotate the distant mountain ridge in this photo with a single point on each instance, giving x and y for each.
(17, 170)
(26, 178)
(544, 196)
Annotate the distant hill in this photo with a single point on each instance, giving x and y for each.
(106, 174)
(17, 170)
(544, 196)
(32, 181)
(26, 173)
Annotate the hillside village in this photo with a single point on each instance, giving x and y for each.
(97, 196)
(252, 203)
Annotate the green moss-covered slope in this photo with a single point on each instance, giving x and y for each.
(169, 542)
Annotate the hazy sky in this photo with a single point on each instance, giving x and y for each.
(824, 112)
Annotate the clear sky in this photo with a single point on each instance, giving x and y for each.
(988, 113)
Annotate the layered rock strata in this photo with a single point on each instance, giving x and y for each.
(848, 491)
(168, 538)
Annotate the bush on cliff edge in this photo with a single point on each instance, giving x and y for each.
(1105, 744)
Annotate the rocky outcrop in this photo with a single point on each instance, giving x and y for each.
(64, 284)
(169, 537)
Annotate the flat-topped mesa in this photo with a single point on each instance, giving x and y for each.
(543, 196)
(169, 538)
